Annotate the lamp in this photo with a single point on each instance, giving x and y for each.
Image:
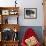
(15, 3)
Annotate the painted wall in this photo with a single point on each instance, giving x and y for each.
(27, 22)
(27, 4)
(31, 4)
(37, 29)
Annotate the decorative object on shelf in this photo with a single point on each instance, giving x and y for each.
(15, 30)
(15, 37)
(30, 13)
(7, 34)
(15, 34)
(6, 21)
(13, 12)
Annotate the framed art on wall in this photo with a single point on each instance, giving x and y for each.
(30, 13)
(5, 12)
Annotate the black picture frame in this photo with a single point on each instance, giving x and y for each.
(30, 13)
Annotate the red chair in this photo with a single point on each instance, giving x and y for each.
(29, 33)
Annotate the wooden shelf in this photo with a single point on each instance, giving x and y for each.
(4, 13)
(9, 9)
(3, 8)
(11, 26)
(9, 43)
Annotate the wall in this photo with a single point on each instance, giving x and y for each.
(28, 22)
(27, 4)
(38, 30)
(31, 4)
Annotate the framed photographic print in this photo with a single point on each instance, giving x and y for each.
(5, 12)
(30, 13)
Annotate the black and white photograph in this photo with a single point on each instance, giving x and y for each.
(30, 13)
